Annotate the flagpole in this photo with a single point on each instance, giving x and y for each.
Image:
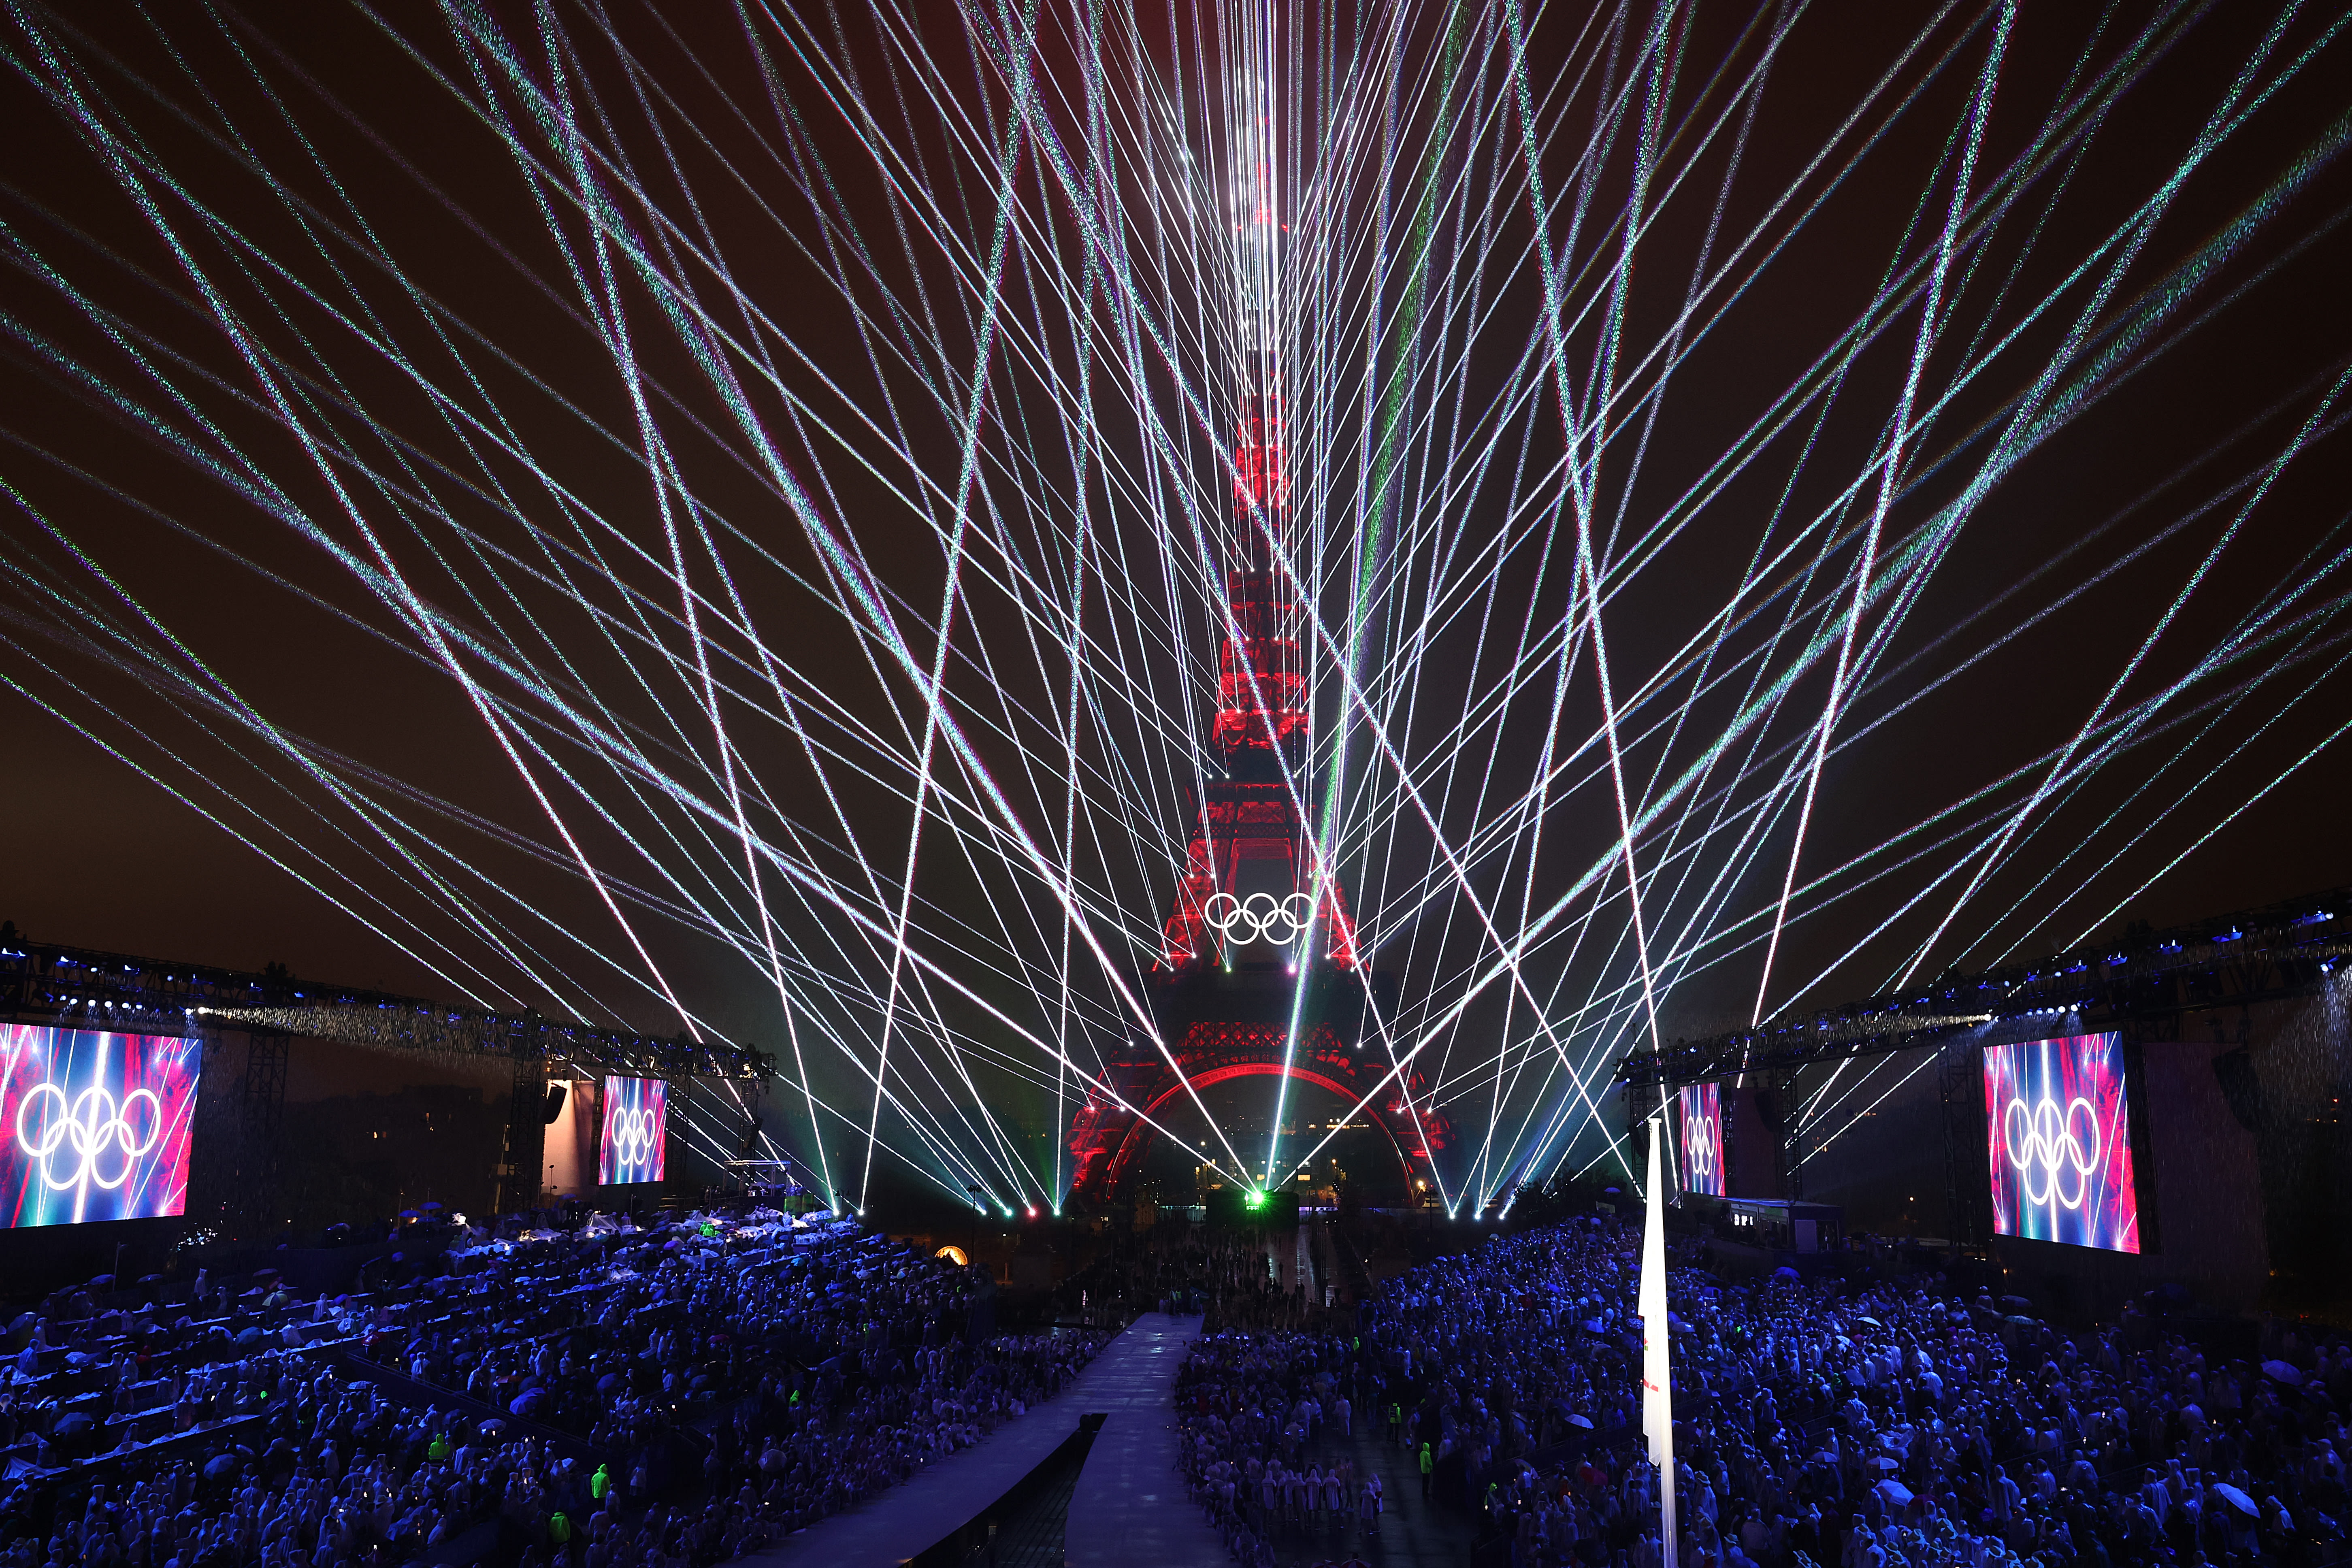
(1657, 1390)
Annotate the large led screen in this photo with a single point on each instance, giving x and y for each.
(2058, 1143)
(635, 1143)
(1702, 1139)
(93, 1126)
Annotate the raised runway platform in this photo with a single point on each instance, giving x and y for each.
(1130, 1508)
(1130, 1382)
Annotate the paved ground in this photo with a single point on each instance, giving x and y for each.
(1130, 1510)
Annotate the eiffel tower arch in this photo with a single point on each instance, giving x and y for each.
(1112, 1137)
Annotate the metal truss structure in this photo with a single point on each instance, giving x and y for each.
(85, 988)
(2274, 953)
(234, 1183)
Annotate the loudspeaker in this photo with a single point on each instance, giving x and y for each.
(2242, 1090)
(1767, 1109)
(554, 1102)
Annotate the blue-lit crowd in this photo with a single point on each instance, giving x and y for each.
(607, 1398)
(690, 1394)
(1905, 1423)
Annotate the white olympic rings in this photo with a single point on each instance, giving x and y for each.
(631, 1134)
(2041, 1142)
(90, 1124)
(1702, 1155)
(1241, 921)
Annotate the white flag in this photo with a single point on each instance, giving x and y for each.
(1657, 1390)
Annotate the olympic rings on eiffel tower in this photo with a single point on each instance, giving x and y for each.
(1261, 916)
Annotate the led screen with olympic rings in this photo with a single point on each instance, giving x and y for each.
(1701, 1144)
(634, 1146)
(2059, 1142)
(93, 1126)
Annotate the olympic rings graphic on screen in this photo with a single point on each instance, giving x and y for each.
(88, 1126)
(1701, 1151)
(2041, 1142)
(1261, 915)
(631, 1132)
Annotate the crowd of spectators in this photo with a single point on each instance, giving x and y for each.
(603, 1396)
(1903, 1423)
(1256, 1411)
(273, 1460)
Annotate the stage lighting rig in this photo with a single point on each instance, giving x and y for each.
(48, 983)
(2273, 953)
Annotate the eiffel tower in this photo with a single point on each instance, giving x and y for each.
(1260, 941)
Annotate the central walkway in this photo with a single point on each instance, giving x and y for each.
(1131, 1381)
(1130, 1510)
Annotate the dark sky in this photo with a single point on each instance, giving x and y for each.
(194, 583)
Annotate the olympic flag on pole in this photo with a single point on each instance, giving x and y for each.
(93, 1126)
(2058, 1143)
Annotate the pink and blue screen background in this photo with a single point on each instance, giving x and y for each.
(93, 1126)
(1702, 1138)
(635, 1143)
(2059, 1142)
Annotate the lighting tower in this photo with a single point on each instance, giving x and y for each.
(1257, 974)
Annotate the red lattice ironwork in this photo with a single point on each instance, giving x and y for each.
(1261, 666)
(1111, 1136)
(1239, 822)
(1257, 926)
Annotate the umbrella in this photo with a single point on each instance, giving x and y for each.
(2283, 1372)
(1874, 1322)
(1584, 1421)
(433, 1205)
(220, 1467)
(1895, 1492)
(2238, 1499)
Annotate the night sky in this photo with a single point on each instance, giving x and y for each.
(331, 339)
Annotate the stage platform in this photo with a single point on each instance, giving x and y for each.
(1135, 1368)
(1130, 1508)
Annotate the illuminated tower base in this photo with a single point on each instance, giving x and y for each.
(1226, 992)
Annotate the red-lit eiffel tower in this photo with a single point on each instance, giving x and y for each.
(1260, 939)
